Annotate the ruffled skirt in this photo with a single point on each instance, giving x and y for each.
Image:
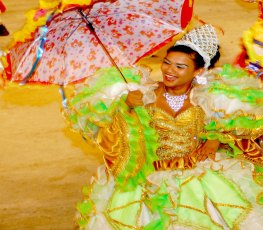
(217, 194)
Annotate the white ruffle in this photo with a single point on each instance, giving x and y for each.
(233, 169)
(115, 91)
(213, 103)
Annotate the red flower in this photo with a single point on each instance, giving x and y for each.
(115, 33)
(146, 4)
(149, 34)
(76, 43)
(75, 65)
(92, 55)
(138, 46)
(112, 21)
(131, 17)
(128, 30)
(49, 46)
(64, 37)
(51, 78)
(51, 62)
(103, 11)
(121, 44)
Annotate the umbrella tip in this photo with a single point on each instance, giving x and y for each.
(63, 95)
(22, 83)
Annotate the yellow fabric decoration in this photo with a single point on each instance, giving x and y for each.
(255, 32)
(31, 25)
(66, 3)
(48, 4)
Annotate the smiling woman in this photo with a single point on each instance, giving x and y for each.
(165, 158)
(43, 164)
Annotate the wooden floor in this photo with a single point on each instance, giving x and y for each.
(43, 165)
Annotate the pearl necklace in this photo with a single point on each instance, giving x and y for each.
(176, 102)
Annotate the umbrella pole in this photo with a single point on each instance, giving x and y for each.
(63, 95)
(89, 25)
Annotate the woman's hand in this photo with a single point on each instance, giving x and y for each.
(134, 98)
(208, 149)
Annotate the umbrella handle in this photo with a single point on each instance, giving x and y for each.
(63, 95)
(90, 26)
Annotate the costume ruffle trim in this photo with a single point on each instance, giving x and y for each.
(168, 197)
(233, 103)
(97, 99)
(142, 146)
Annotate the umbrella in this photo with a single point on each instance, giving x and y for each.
(73, 43)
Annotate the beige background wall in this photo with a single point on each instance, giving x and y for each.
(43, 165)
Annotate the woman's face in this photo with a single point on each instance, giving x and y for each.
(178, 69)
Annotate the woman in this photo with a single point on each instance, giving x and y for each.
(163, 170)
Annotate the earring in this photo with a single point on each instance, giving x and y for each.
(201, 80)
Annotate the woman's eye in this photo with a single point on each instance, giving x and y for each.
(180, 67)
(166, 62)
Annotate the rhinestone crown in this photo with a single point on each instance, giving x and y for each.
(203, 40)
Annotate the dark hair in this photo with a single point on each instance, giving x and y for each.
(198, 59)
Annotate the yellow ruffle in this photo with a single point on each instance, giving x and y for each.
(66, 3)
(34, 19)
(186, 162)
(48, 4)
(251, 150)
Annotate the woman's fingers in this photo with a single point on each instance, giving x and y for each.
(134, 98)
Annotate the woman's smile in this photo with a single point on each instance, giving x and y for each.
(170, 77)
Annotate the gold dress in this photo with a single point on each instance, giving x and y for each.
(182, 193)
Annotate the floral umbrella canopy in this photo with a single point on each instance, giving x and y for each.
(74, 42)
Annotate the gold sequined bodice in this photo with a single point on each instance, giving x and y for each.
(178, 136)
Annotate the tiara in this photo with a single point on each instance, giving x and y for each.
(203, 40)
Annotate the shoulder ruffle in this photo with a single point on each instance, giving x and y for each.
(102, 95)
(233, 104)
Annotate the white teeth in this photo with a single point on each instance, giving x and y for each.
(169, 77)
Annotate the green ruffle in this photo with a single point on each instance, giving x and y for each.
(259, 169)
(158, 203)
(230, 72)
(129, 178)
(107, 77)
(253, 96)
(223, 127)
(258, 178)
(84, 208)
(223, 130)
(242, 122)
(224, 139)
(85, 114)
